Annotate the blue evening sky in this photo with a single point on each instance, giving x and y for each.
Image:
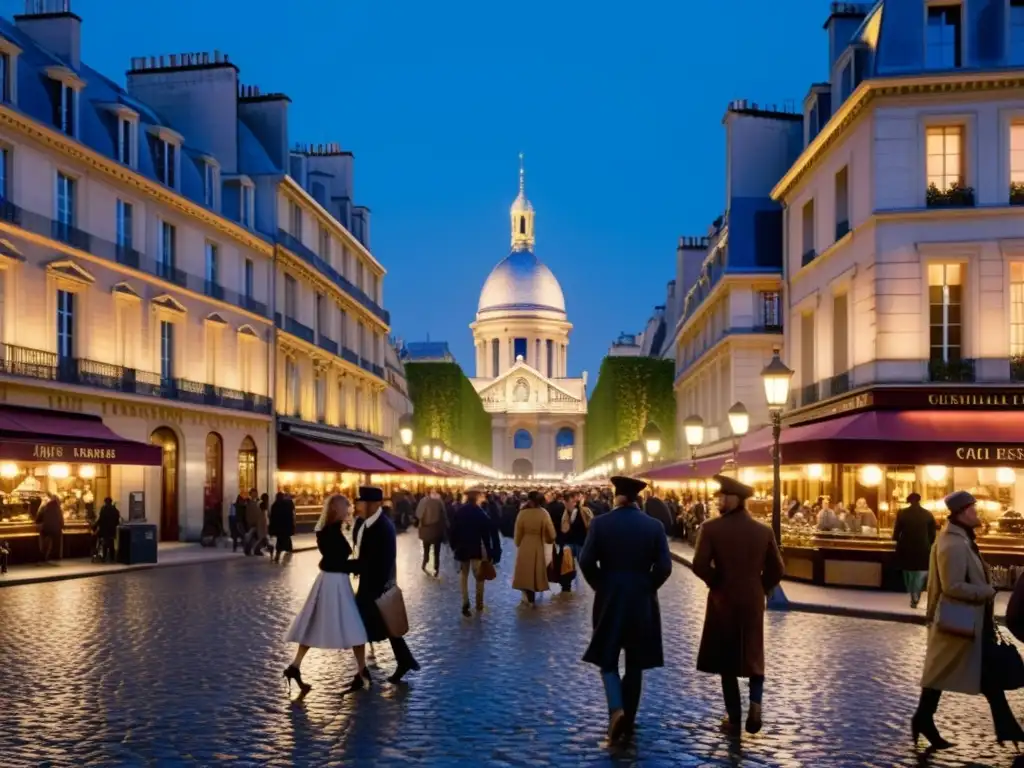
(617, 106)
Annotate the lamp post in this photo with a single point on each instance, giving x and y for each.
(693, 429)
(739, 423)
(405, 432)
(636, 453)
(652, 439)
(776, 377)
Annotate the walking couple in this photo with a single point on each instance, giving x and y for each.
(334, 617)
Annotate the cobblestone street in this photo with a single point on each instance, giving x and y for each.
(183, 667)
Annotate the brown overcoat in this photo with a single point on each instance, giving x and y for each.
(534, 535)
(737, 557)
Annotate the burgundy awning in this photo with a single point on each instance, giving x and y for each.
(403, 465)
(38, 434)
(685, 470)
(299, 454)
(949, 438)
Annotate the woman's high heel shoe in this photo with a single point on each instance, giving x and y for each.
(360, 681)
(919, 726)
(291, 672)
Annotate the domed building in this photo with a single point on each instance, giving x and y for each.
(522, 339)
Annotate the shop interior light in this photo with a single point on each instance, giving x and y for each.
(620, 462)
(713, 486)
(59, 471)
(446, 456)
(287, 477)
(936, 473)
(748, 476)
(8, 469)
(815, 471)
(87, 471)
(870, 475)
(1006, 476)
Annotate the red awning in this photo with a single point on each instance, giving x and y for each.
(685, 470)
(299, 454)
(403, 465)
(949, 438)
(38, 434)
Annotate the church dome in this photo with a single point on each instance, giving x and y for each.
(521, 282)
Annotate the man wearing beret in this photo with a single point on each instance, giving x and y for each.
(375, 563)
(739, 560)
(625, 559)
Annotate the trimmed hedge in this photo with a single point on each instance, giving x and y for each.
(630, 391)
(446, 407)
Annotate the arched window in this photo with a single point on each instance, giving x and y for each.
(247, 466)
(565, 441)
(523, 440)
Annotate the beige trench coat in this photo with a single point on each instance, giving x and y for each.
(955, 573)
(535, 533)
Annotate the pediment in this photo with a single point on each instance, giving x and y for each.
(169, 303)
(67, 268)
(125, 291)
(216, 319)
(9, 251)
(522, 385)
(247, 330)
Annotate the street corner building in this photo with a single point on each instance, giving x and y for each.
(521, 336)
(171, 269)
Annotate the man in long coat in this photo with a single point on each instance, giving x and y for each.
(433, 527)
(914, 534)
(737, 557)
(625, 559)
(376, 545)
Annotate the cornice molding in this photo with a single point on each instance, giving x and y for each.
(160, 194)
(870, 90)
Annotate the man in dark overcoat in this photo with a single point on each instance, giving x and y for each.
(737, 557)
(914, 534)
(657, 509)
(375, 542)
(625, 560)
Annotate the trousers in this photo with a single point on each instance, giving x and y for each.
(731, 694)
(623, 692)
(464, 568)
(436, 546)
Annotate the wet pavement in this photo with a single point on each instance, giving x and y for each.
(182, 667)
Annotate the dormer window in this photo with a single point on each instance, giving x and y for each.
(1017, 31)
(64, 88)
(166, 146)
(5, 77)
(248, 201)
(126, 133)
(211, 184)
(9, 53)
(943, 36)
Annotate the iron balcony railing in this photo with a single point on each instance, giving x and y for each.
(330, 345)
(49, 366)
(349, 356)
(836, 385)
(125, 255)
(297, 247)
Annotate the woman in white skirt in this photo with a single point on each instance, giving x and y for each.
(330, 618)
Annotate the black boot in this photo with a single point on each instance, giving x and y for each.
(923, 722)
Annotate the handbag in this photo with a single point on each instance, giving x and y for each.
(568, 564)
(955, 618)
(486, 571)
(392, 610)
(1001, 665)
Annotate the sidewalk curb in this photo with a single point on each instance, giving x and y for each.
(831, 610)
(44, 578)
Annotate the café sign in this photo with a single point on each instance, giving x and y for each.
(51, 452)
(990, 454)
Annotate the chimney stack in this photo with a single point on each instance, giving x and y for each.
(52, 25)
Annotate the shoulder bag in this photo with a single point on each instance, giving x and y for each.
(391, 605)
(952, 616)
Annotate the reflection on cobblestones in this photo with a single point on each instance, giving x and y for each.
(182, 666)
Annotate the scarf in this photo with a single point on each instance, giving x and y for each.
(362, 529)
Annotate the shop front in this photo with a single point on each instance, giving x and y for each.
(861, 456)
(69, 456)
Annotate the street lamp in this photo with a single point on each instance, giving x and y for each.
(636, 453)
(693, 429)
(436, 449)
(405, 430)
(620, 462)
(652, 439)
(776, 377)
(739, 423)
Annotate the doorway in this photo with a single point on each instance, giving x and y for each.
(168, 442)
(247, 456)
(522, 467)
(213, 486)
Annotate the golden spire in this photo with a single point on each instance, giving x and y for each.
(522, 215)
(522, 176)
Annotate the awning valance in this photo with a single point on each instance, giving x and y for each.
(300, 454)
(705, 467)
(39, 434)
(400, 464)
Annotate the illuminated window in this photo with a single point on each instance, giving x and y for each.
(565, 441)
(945, 156)
(945, 297)
(1017, 151)
(1017, 309)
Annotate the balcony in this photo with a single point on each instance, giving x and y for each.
(806, 395)
(294, 327)
(961, 370)
(1017, 368)
(842, 229)
(957, 196)
(349, 356)
(837, 385)
(296, 246)
(326, 344)
(124, 255)
(48, 366)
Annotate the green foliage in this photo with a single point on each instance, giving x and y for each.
(630, 391)
(446, 407)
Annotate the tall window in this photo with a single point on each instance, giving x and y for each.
(126, 131)
(945, 298)
(290, 297)
(65, 324)
(245, 357)
(5, 173)
(519, 349)
(319, 315)
(166, 253)
(495, 357)
(124, 225)
(359, 274)
(360, 415)
(5, 78)
(945, 155)
(1017, 310)
(361, 335)
(1017, 151)
(320, 395)
(248, 279)
(344, 327)
(808, 231)
(374, 287)
(167, 162)
(771, 310)
(166, 350)
(291, 387)
(842, 202)
(551, 357)
(65, 202)
(1017, 31)
(213, 352)
(342, 404)
(840, 335)
(522, 440)
(248, 206)
(296, 221)
(943, 37)
(212, 257)
(324, 244)
(63, 96)
(210, 181)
